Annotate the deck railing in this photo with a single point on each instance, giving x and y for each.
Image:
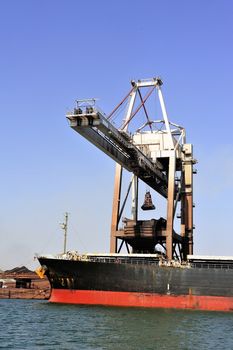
(119, 260)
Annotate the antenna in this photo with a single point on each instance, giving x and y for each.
(64, 227)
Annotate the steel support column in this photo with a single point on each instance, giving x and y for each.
(116, 208)
(189, 224)
(170, 205)
(187, 200)
(135, 198)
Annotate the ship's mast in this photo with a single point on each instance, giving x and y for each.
(158, 156)
(64, 227)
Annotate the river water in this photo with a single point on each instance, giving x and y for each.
(26, 324)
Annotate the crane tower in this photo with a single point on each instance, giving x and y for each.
(157, 154)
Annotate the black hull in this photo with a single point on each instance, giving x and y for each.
(142, 278)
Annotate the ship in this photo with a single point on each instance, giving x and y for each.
(151, 262)
(140, 280)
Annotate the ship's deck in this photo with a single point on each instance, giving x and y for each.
(194, 261)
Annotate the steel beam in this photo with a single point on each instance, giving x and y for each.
(135, 198)
(170, 205)
(116, 145)
(187, 200)
(116, 208)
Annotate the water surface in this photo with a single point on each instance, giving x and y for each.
(27, 324)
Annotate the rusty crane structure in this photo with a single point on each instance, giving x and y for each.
(157, 154)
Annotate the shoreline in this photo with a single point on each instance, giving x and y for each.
(24, 286)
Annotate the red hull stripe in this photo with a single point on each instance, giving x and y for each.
(141, 300)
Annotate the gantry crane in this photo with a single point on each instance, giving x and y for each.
(159, 156)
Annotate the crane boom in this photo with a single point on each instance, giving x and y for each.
(94, 126)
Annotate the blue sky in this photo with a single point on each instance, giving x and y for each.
(53, 52)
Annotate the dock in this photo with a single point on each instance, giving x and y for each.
(16, 284)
